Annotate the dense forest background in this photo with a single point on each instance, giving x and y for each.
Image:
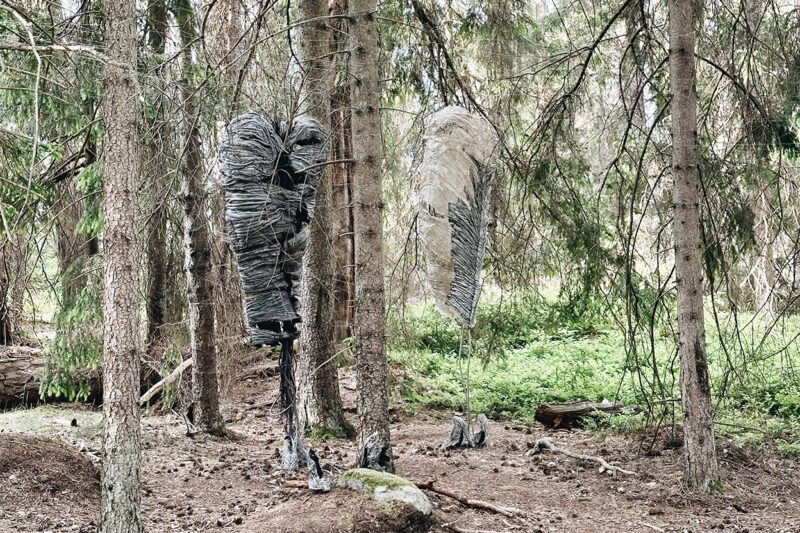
(579, 282)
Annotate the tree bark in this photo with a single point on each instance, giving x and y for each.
(120, 497)
(12, 284)
(369, 324)
(19, 366)
(19, 281)
(157, 225)
(6, 329)
(70, 247)
(231, 322)
(196, 242)
(763, 271)
(13, 277)
(341, 173)
(320, 405)
(701, 461)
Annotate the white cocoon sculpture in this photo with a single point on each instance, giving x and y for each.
(455, 180)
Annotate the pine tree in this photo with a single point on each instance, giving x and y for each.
(370, 323)
(120, 498)
(197, 245)
(320, 405)
(701, 460)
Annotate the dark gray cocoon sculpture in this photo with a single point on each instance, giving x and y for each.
(270, 174)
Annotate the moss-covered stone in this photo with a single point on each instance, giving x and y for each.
(384, 487)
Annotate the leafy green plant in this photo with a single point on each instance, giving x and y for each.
(76, 351)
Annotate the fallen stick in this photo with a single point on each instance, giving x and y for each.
(651, 526)
(457, 529)
(547, 443)
(155, 389)
(296, 484)
(510, 512)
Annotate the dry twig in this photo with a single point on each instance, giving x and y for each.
(510, 512)
(547, 444)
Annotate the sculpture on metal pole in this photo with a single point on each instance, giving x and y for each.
(270, 172)
(455, 182)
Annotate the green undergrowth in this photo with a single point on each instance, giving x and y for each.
(545, 370)
(528, 351)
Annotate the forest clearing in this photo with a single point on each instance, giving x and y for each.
(467, 266)
(215, 484)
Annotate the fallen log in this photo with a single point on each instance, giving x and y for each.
(20, 367)
(570, 413)
(155, 389)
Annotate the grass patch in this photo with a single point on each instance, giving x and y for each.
(52, 421)
(523, 357)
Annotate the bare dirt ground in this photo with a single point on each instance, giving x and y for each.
(209, 484)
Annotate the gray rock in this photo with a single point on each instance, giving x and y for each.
(384, 487)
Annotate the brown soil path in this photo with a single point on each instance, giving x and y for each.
(207, 484)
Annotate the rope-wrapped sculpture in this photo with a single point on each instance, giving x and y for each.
(270, 172)
(452, 202)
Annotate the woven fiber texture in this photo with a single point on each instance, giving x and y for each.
(455, 180)
(270, 172)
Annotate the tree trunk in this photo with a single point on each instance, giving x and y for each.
(763, 271)
(120, 497)
(196, 242)
(341, 173)
(320, 405)
(701, 460)
(370, 343)
(633, 83)
(156, 248)
(13, 270)
(19, 281)
(70, 246)
(231, 322)
(6, 329)
(156, 166)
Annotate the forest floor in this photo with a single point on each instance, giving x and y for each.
(201, 483)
